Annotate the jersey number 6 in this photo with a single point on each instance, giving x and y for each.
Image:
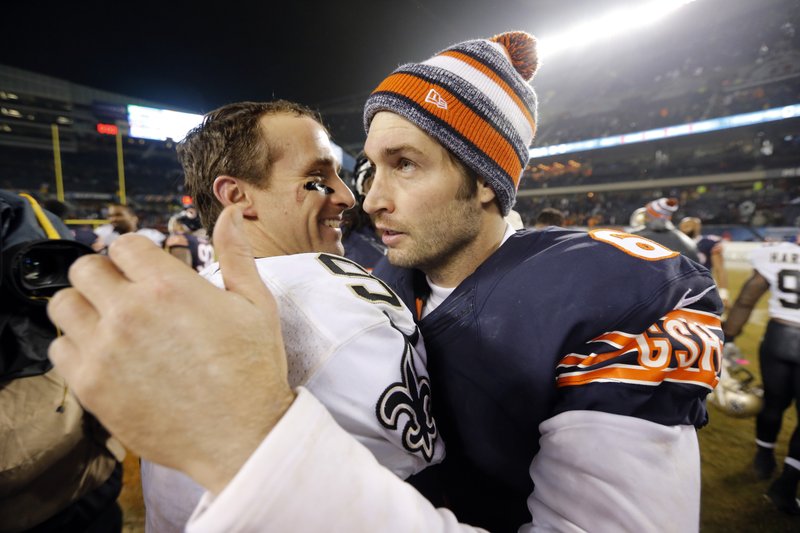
(633, 244)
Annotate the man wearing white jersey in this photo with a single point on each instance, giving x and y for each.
(121, 220)
(348, 338)
(776, 268)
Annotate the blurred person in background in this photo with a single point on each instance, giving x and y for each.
(658, 227)
(188, 240)
(709, 251)
(122, 219)
(776, 268)
(359, 238)
(549, 216)
(349, 340)
(60, 470)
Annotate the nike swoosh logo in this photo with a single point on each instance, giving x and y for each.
(685, 301)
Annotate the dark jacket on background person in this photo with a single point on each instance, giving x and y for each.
(59, 469)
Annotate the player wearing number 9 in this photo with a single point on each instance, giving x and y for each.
(776, 268)
(188, 241)
(348, 338)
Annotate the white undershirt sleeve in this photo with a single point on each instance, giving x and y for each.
(598, 471)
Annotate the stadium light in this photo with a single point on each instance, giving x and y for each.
(609, 25)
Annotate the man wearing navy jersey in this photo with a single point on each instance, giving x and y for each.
(187, 240)
(542, 345)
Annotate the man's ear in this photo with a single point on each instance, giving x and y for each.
(485, 193)
(229, 191)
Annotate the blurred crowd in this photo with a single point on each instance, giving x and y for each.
(691, 73)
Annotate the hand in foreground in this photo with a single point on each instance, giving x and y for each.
(183, 373)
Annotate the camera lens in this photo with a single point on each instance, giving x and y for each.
(40, 269)
(36, 270)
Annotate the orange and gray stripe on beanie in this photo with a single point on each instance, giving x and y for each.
(475, 99)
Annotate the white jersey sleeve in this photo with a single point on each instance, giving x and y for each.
(780, 266)
(353, 344)
(311, 475)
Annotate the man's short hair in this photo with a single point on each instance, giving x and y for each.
(549, 216)
(230, 142)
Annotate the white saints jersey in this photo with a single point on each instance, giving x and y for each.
(780, 265)
(352, 343)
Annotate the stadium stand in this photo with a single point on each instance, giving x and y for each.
(740, 175)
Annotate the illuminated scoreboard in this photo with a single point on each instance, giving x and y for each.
(160, 124)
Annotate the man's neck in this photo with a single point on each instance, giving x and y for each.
(468, 259)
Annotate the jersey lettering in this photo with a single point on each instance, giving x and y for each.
(684, 346)
(633, 244)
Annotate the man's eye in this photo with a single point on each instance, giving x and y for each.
(367, 185)
(406, 165)
(318, 186)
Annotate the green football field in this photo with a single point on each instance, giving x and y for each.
(732, 495)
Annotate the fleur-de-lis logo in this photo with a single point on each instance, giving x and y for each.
(411, 397)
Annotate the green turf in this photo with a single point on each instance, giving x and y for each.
(732, 496)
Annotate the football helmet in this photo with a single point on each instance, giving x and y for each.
(362, 176)
(736, 394)
(637, 219)
(188, 218)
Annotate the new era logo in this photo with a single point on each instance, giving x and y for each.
(436, 99)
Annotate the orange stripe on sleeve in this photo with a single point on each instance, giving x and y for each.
(633, 373)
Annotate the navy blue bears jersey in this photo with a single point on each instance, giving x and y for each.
(555, 321)
(201, 249)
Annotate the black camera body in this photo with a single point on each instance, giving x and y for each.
(34, 271)
(36, 251)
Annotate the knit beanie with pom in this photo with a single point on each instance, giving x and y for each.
(474, 98)
(662, 208)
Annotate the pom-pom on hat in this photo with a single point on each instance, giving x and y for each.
(662, 208)
(474, 98)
